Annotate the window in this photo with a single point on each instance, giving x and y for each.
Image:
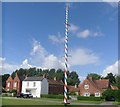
(97, 94)
(8, 84)
(87, 94)
(86, 86)
(15, 84)
(27, 84)
(34, 84)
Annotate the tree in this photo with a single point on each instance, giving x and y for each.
(118, 81)
(73, 78)
(111, 78)
(4, 78)
(94, 76)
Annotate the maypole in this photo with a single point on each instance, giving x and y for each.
(66, 57)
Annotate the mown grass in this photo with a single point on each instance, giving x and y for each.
(116, 103)
(9, 101)
(89, 102)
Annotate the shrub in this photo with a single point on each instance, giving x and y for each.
(109, 93)
(72, 93)
(14, 91)
(92, 95)
(52, 96)
(90, 98)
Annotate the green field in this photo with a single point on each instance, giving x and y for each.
(8, 101)
(47, 101)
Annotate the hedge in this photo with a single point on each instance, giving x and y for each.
(52, 96)
(90, 98)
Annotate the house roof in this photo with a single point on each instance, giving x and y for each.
(98, 84)
(33, 79)
(55, 82)
(103, 84)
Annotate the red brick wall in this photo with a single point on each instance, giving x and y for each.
(18, 85)
(12, 81)
(9, 80)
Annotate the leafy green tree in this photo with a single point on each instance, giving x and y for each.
(73, 78)
(118, 81)
(51, 73)
(4, 78)
(111, 78)
(94, 76)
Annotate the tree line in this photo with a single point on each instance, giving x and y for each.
(73, 78)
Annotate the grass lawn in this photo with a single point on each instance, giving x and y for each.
(116, 103)
(8, 101)
(89, 102)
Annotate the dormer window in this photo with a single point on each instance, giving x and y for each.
(86, 86)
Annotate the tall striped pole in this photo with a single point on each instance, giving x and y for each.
(66, 57)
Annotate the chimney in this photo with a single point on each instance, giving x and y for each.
(55, 78)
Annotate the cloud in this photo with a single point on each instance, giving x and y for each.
(83, 57)
(53, 62)
(25, 64)
(111, 69)
(88, 33)
(84, 34)
(56, 38)
(7, 67)
(73, 28)
(41, 58)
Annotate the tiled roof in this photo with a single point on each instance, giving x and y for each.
(33, 79)
(103, 84)
(55, 82)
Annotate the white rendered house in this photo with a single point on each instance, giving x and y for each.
(35, 86)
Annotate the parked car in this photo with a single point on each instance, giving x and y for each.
(20, 95)
(28, 96)
(111, 98)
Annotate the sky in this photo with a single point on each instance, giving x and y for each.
(33, 36)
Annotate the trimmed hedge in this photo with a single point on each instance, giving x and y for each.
(52, 96)
(90, 98)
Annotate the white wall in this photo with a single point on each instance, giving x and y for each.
(44, 86)
(36, 91)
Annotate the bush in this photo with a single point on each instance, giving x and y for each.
(52, 96)
(109, 93)
(92, 95)
(72, 93)
(91, 98)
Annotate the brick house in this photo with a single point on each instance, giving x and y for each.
(73, 89)
(93, 87)
(14, 83)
